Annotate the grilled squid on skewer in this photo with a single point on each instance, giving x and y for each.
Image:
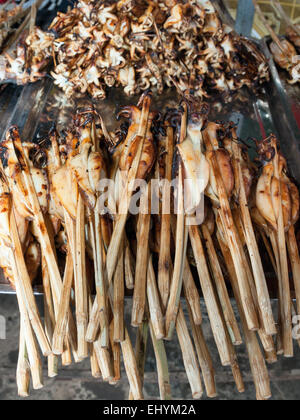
(293, 36)
(286, 57)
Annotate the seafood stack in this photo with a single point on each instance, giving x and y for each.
(140, 45)
(68, 210)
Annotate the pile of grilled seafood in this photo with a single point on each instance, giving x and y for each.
(10, 14)
(26, 63)
(140, 45)
(53, 224)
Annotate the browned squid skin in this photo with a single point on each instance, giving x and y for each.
(287, 58)
(284, 56)
(15, 179)
(211, 133)
(294, 193)
(132, 141)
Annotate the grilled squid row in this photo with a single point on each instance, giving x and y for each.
(210, 238)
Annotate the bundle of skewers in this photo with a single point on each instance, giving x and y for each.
(285, 50)
(79, 211)
(140, 45)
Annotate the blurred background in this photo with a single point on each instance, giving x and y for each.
(291, 8)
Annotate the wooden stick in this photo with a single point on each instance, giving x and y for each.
(104, 361)
(119, 291)
(204, 357)
(66, 357)
(295, 263)
(101, 354)
(221, 288)
(63, 313)
(188, 354)
(156, 316)
(140, 284)
(257, 362)
(32, 351)
(95, 368)
(131, 368)
(81, 293)
(114, 246)
(285, 309)
(23, 369)
(165, 236)
(116, 355)
(274, 243)
(44, 239)
(99, 313)
(161, 366)
(236, 248)
(140, 350)
(263, 297)
(128, 266)
(101, 280)
(49, 319)
(189, 287)
(180, 252)
(191, 293)
(213, 310)
(26, 288)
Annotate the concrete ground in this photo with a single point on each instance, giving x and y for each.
(76, 383)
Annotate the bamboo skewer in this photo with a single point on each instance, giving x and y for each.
(165, 239)
(209, 297)
(140, 350)
(60, 331)
(26, 289)
(156, 316)
(23, 369)
(228, 312)
(140, 284)
(257, 362)
(32, 351)
(274, 243)
(263, 297)
(266, 339)
(49, 320)
(295, 262)
(181, 244)
(233, 240)
(81, 292)
(188, 354)
(189, 287)
(191, 293)
(114, 246)
(128, 266)
(55, 278)
(285, 308)
(181, 240)
(162, 366)
(204, 357)
(101, 286)
(119, 300)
